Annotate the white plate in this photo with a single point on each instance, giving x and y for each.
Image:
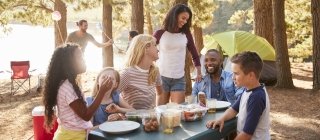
(119, 127)
(222, 104)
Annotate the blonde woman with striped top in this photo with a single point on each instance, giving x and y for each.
(140, 81)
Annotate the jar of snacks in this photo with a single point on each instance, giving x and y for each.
(150, 122)
(176, 114)
(167, 120)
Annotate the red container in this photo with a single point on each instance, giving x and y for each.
(38, 125)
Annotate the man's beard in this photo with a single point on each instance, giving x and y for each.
(214, 71)
(83, 30)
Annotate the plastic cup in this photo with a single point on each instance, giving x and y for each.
(190, 99)
(167, 122)
(211, 105)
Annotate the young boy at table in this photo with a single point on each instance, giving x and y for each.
(253, 105)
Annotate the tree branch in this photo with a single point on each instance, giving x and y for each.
(44, 7)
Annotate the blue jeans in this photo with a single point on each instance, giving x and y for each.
(171, 84)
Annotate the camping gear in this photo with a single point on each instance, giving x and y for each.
(38, 125)
(233, 42)
(268, 74)
(20, 76)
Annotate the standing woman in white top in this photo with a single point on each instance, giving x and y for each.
(173, 40)
(63, 92)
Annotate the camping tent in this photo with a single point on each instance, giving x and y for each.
(268, 75)
(233, 42)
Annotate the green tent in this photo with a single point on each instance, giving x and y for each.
(233, 42)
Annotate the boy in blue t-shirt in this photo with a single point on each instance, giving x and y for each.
(253, 105)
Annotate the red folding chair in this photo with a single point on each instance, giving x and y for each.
(20, 75)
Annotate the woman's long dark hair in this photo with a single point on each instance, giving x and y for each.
(171, 21)
(61, 68)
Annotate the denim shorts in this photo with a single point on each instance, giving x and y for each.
(172, 84)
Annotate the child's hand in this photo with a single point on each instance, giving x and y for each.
(215, 124)
(113, 117)
(106, 85)
(112, 108)
(116, 117)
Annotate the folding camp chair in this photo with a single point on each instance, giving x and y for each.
(20, 75)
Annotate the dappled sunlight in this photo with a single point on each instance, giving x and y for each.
(20, 113)
(307, 123)
(291, 120)
(302, 84)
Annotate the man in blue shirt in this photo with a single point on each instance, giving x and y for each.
(253, 106)
(217, 83)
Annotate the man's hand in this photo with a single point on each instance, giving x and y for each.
(109, 43)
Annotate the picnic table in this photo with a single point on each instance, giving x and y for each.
(187, 130)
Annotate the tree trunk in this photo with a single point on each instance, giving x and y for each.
(107, 52)
(148, 15)
(137, 18)
(188, 61)
(284, 76)
(198, 38)
(60, 27)
(315, 10)
(263, 19)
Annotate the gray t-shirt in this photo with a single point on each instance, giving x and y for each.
(81, 40)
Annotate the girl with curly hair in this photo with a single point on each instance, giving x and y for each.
(63, 95)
